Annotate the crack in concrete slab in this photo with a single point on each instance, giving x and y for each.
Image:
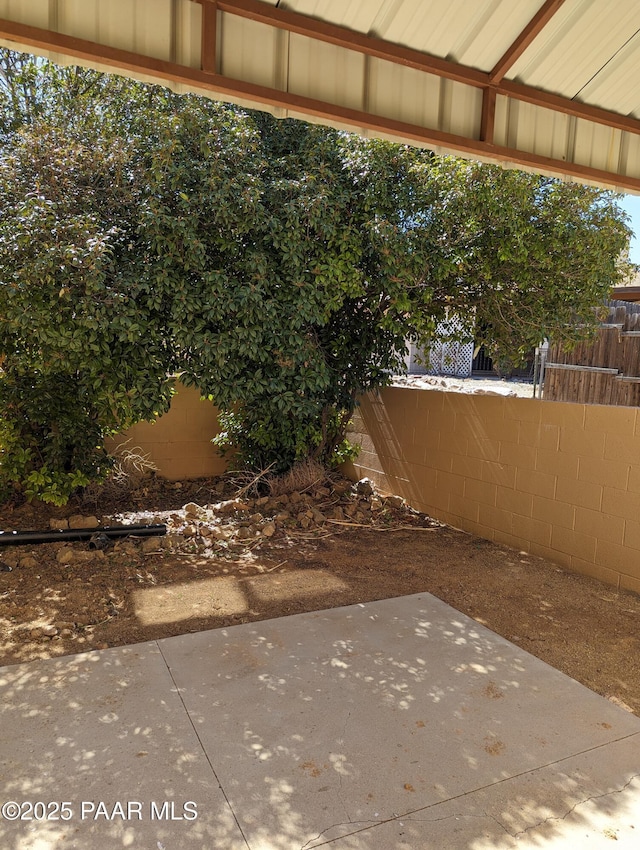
(573, 808)
(412, 816)
(367, 825)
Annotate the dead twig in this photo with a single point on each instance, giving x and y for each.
(252, 484)
(380, 528)
(281, 564)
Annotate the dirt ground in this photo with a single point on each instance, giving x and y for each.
(226, 561)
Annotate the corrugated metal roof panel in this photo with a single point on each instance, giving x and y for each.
(342, 77)
(618, 80)
(129, 25)
(539, 131)
(579, 41)
(403, 93)
(249, 51)
(36, 13)
(356, 15)
(590, 51)
(475, 33)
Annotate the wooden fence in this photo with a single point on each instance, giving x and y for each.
(604, 371)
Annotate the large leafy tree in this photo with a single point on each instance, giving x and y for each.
(278, 266)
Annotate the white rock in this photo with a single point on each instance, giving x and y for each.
(268, 529)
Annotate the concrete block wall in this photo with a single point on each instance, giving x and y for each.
(555, 479)
(179, 443)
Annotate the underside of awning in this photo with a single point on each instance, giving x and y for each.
(550, 86)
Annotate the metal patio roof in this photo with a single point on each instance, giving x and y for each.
(551, 86)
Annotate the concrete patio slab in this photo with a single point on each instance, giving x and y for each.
(105, 727)
(570, 805)
(392, 725)
(363, 714)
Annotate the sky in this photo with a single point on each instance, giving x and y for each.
(631, 204)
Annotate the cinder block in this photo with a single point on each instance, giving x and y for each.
(573, 543)
(557, 463)
(160, 452)
(451, 441)
(484, 448)
(442, 421)
(429, 400)
(457, 403)
(145, 432)
(469, 467)
(399, 398)
(463, 508)
(496, 518)
(553, 512)
(413, 454)
(424, 481)
(621, 503)
(633, 484)
(582, 493)
(593, 570)
(537, 483)
(399, 487)
(448, 482)
(439, 460)
(514, 501)
(506, 539)
(475, 528)
(565, 414)
(610, 419)
(446, 517)
(499, 473)
(368, 459)
(193, 449)
(532, 530)
(180, 468)
(604, 526)
(577, 441)
(385, 443)
(554, 555)
(482, 407)
(480, 491)
(485, 531)
(609, 473)
(616, 557)
(632, 535)
(513, 454)
(502, 430)
(628, 582)
(625, 449)
(529, 410)
(394, 468)
(379, 478)
(364, 441)
(540, 435)
(194, 430)
(471, 427)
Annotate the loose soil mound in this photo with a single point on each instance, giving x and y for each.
(226, 560)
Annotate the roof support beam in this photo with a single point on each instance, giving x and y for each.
(488, 117)
(526, 37)
(294, 22)
(208, 58)
(264, 13)
(217, 85)
(208, 81)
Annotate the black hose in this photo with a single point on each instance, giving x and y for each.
(29, 538)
